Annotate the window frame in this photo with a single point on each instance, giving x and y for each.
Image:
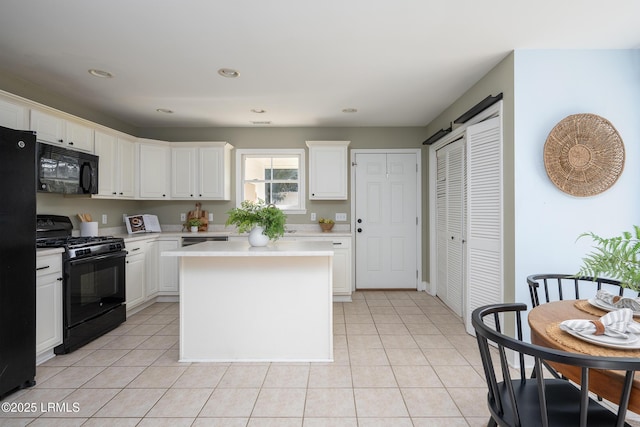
(275, 152)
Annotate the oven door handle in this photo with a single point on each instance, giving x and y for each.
(103, 257)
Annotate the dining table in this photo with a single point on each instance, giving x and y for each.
(544, 321)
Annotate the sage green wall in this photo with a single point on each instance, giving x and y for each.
(58, 204)
(499, 79)
(267, 137)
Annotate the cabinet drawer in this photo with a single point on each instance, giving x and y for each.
(341, 243)
(49, 264)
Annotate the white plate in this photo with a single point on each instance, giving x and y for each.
(607, 307)
(631, 343)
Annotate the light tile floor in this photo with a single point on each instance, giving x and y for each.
(401, 359)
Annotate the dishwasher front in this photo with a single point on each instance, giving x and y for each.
(188, 241)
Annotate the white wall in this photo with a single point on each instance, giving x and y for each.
(550, 85)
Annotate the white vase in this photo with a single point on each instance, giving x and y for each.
(256, 238)
(194, 229)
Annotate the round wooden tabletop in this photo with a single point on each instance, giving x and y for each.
(543, 321)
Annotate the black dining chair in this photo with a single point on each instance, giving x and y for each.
(525, 401)
(553, 287)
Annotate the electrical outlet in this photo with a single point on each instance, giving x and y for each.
(183, 217)
(313, 216)
(210, 216)
(104, 218)
(341, 216)
(124, 217)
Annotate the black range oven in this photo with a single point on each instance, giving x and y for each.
(93, 281)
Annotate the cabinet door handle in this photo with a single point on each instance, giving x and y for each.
(70, 142)
(135, 249)
(337, 243)
(59, 279)
(43, 268)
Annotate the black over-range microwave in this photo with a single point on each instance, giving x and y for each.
(61, 170)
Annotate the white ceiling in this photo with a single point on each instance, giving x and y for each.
(399, 62)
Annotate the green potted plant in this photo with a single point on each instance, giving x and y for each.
(194, 224)
(258, 218)
(614, 258)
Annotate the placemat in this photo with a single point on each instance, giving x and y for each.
(583, 305)
(569, 341)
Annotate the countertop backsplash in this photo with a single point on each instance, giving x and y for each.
(292, 229)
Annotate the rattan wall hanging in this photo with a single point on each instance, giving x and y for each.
(584, 155)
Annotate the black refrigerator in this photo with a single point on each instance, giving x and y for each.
(17, 260)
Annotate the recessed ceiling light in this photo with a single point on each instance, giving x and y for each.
(258, 110)
(228, 72)
(100, 73)
(261, 123)
(164, 110)
(349, 110)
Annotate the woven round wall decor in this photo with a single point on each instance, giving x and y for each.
(584, 155)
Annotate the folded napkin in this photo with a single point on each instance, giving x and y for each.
(617, 301)
(616, 323)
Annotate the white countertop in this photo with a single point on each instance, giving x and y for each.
(243, 249)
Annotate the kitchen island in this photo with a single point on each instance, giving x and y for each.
(243, 303)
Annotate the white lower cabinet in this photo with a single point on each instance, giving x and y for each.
(342, 262)
(48, 303)
(168, 267)
(150, 275)
(152, 269)
(342, 277)
(135, 274)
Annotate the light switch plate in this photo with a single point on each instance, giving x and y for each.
(104, 218)
(341, 216)
(183, 217)
(210, 216)
(313, 216)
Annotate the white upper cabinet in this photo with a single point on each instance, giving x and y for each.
(48, 128)
(201, 170)
(214, 171)
(116, 177)
(56, 130)
(328, 166)
(154, 169)
(13, 116)
(78, 136)
(183, 173)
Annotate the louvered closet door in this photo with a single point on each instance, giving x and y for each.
(484, 283)
(450, 225)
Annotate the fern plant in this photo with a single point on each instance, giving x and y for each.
(250, 214)
(615, 258)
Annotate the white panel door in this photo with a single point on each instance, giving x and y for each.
(484, 220)
(386, 211)
(450, 206)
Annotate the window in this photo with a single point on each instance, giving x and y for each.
(275, 176)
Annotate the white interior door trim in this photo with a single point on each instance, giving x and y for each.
(417, 152)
